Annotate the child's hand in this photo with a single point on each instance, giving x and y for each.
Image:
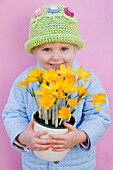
(32, 139)
(68, 140)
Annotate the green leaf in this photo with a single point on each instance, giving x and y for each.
(72, 111)
(29, 91)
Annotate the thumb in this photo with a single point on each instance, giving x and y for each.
(69, 126)
(31, 124)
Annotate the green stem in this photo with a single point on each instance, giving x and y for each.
(60, 121)
(66, 100)
(57, 110)
(62, 102)
(72, 110)
(45, 115)
(65, 120)
(69, 119)
(42, 113)
(50, 113)
(36, 102)
(53, 115)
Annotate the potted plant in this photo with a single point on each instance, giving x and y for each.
(56, 105)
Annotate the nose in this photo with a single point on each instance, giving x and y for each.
(55, 56)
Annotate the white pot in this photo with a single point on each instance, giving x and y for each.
(49, 155)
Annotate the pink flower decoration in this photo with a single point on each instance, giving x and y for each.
(38, 12)
(69, 11)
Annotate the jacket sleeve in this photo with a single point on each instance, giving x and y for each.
(95, 123)
(14, 115)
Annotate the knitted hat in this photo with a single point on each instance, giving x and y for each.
(53, 23)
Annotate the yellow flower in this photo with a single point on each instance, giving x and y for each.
(72, 102)
(56, 88)
(50, 75)
(99, 98)
(83, 75)
(81, 91)
(64, 72)
(53, 88)
(44, 81)
(61, 95)
(47, 101)
(23, 83)
(59, 83)
(68, 84)
(45, 90)
(64, 113)
(35, 75)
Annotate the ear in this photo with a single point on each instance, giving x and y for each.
(33, 50)
(76, 48)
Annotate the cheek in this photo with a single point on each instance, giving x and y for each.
(69, 59)
(42, 57)
(43, 61)
(69, 62)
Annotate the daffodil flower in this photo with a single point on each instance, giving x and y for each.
(47, 101)
(99, 98)
(54, 88)
(51, 89)
(64, 113)
(44, 90)
(82, 91)
(61, 95)
(68, 85)
(72, 102)
(59, 82)
(23, 83)
(83, 75)
(64, 72)
(50, 75)
(35, 75)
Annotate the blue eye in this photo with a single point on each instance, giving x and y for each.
(47, 49)
(64, 49)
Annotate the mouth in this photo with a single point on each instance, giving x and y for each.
(55, 66)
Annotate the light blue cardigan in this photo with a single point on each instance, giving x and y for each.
(18, 113)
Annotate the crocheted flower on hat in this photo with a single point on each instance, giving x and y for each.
(69, 11)
(53, 9)
(38, 12)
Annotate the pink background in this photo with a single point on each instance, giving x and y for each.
(96, 28)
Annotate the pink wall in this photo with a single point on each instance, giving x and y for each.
(96, 28)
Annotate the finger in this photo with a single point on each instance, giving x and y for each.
(44, 141)
(69, 126)
(58, 137)
(41, 133)
(58, 142)
(42, 147)
(58, 146)
(31, 125)
(59, 150)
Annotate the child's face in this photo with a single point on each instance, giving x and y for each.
(53, 54)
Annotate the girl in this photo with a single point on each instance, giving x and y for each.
(54, 40)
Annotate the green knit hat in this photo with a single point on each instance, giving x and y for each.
(52, 23)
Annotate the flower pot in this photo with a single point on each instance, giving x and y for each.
(49, 155)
